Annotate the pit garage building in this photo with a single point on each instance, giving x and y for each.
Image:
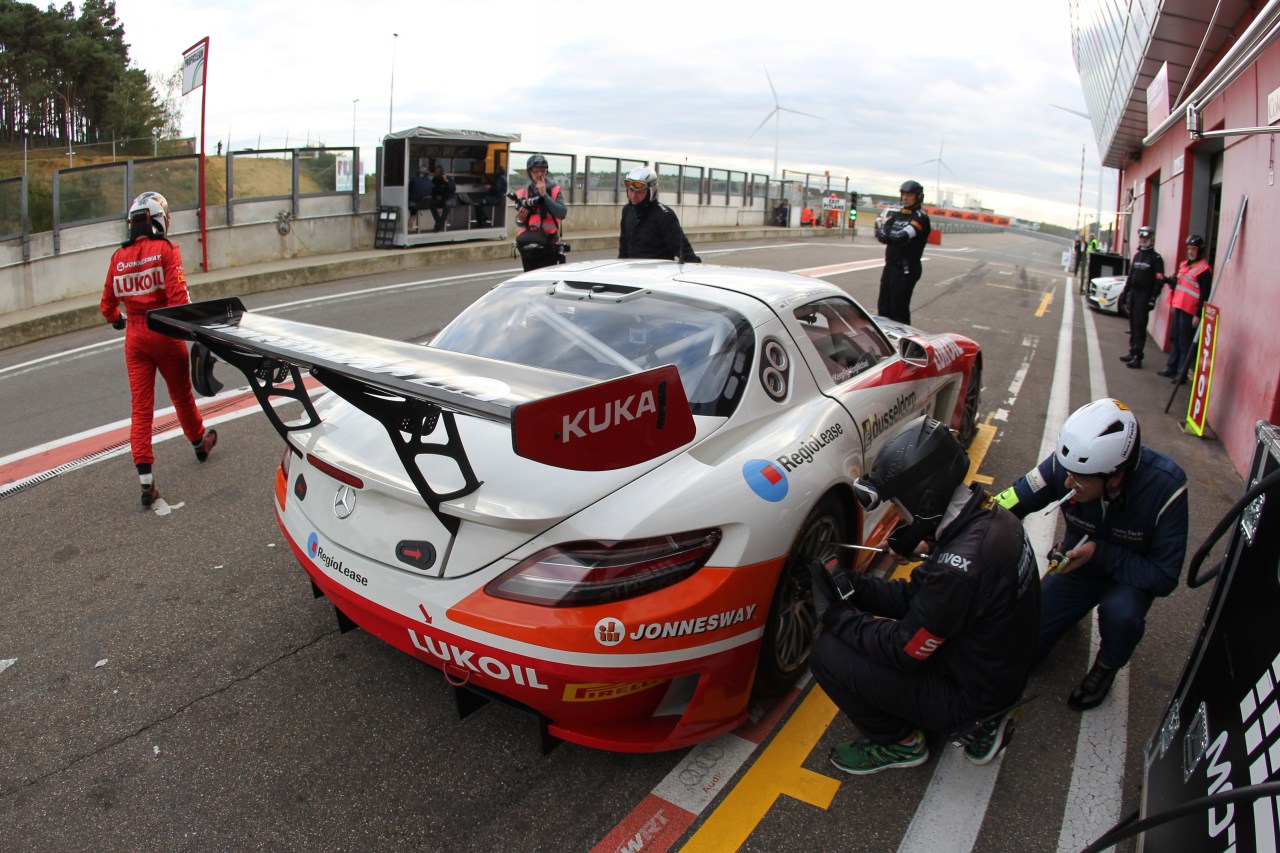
(1184, 96)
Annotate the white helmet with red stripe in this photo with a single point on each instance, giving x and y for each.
(155, 206)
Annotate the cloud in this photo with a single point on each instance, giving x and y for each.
(669, 81)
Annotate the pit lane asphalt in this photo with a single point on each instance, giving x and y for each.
(230, 713)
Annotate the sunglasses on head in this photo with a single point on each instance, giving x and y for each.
(636, 185)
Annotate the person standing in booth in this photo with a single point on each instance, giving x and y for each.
(146, 272)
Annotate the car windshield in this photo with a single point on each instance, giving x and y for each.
(605, 331)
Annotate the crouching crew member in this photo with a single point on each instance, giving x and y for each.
(1126, 534)
(947, 647)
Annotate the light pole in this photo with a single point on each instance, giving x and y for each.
(391, 110)
(354, 101)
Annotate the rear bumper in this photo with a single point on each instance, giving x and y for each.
(654, 708)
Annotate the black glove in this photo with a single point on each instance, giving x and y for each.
(824, 596)
(905, 539)
(880, 234)
(119, 322)
(900, 237)
(1151, 304)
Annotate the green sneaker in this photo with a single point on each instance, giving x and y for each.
(862, 757)
(995, 736)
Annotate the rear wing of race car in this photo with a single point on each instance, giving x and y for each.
(556, 418)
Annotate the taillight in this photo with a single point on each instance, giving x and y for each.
(580, 573)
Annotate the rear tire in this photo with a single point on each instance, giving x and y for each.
(972, 405)
(790, 630)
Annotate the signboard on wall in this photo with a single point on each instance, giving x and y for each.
(1158, 98)
(1198, 407)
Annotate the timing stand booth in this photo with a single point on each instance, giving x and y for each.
(471, 157)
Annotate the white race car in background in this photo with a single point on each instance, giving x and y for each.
(592, 494)
(1104, 294)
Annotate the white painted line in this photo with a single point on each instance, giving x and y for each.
(6, 663)
(958, 796)
(1093, 799)
(959, 791)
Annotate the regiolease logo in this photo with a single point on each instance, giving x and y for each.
(765, 479)
(317, 554)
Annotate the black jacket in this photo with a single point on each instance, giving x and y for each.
(1142, 272)
(970, 612)
(652, 230)
(904, 234)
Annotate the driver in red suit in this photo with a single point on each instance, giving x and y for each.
(145, 273)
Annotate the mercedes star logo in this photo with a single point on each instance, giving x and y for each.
(344, 502)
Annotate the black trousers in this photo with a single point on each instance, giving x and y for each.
(896, 285)
(884, 702)
(1139, 298)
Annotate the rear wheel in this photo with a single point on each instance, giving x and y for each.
(972, 405)
(790, 630)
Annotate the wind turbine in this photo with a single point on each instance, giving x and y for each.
(937, 186)
(776, 115)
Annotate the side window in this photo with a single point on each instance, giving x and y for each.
(845, 338)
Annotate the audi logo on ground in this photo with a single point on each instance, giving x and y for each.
(700, 764)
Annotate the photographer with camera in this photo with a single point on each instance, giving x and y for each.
(951, 646)
(539, 212)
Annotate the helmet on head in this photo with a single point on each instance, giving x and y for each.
(1099, 439)
(536, 161)
(1197, 241)
(918, 469)
(155, 206)
(1145, 233)
(643, 175)
(913, 187)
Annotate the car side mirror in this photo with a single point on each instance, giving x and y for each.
(913, 352)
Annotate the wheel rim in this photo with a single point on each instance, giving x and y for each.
(796, 619)
(972, 402)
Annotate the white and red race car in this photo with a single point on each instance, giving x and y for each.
(590, 496)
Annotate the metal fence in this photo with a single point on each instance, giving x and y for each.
(85, 195)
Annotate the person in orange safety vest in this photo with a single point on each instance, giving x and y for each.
(539, 211)
(1190, 291)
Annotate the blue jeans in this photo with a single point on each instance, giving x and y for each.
(1122, 612)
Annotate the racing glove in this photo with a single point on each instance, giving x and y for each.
(119, 322)
(1151, 304)
(823, 595)
(905, 539)
(880, 235)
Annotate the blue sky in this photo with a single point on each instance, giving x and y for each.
(892, 84)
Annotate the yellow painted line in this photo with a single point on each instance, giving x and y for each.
(777, 771)
(978, 451)
(1044, 303)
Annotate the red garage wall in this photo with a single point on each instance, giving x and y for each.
(1246, 287)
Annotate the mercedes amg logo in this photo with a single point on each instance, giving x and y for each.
(344, 502)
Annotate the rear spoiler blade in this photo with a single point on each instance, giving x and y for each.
(557, 418)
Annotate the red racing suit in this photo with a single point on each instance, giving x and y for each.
(145, 274)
